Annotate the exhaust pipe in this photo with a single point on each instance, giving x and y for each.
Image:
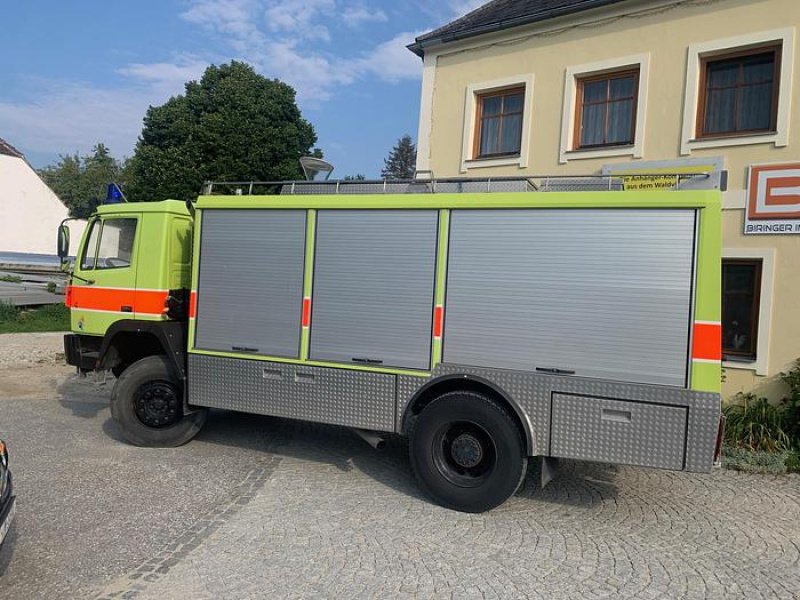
(373, 439)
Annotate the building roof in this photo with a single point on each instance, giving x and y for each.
(9, 150)
(498, 15)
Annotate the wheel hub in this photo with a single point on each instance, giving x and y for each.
(157, 404)
(466, 450)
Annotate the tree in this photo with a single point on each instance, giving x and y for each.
(81, 182)
(356, 177)
(402, 160)
(232, 125)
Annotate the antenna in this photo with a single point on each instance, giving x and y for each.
(312, 167)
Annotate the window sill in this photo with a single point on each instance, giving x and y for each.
(773, 137)
(603, 152)
(743, 365)
(500, 161)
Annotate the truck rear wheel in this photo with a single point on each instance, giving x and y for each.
(467, 452)
(147, 403)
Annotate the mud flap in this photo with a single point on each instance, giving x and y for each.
(549, 469)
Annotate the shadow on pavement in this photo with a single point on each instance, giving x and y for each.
(576, 483)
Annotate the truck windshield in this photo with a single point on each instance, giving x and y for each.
(110, 244)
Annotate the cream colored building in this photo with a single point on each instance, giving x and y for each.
(564, 87)
(30, 212)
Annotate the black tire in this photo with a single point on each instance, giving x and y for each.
(118, 369)
(467, 452)
(147, 404)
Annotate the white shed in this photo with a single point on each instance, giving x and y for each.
(30, 212)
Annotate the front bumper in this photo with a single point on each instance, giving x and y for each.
(79, 352)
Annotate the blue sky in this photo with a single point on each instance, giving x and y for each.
(76, 73)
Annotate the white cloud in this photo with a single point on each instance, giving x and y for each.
(286, 39)
(460, 8)
(282, 39)
(166, 75)
(391, 60)
(67, 118)
(355, 16)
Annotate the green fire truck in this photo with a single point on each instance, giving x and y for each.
(490, 321)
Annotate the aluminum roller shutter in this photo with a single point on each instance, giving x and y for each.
(250, 286)
(373, 287)
(604, 292)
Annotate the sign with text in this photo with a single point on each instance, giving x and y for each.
(773, 199)
(682, 174)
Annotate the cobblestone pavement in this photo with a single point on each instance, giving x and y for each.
(268, 508)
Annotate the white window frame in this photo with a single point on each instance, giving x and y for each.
(571, 77)
(767, 257)
(471, 104)
(724, 46)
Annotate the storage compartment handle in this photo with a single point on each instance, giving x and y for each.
(617, 416)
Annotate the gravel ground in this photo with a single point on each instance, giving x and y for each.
(256, 507)
(26, 349)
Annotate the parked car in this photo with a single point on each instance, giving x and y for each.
(6, 493)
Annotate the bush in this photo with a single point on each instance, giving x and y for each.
(8, 311)
(740, 459)
(791, 404)
(793, 462)
(755, 424)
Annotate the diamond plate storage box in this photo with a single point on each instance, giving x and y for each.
(632, 433)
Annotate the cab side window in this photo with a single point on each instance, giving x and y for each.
(115, 247)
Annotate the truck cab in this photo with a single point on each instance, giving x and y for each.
(131, 278)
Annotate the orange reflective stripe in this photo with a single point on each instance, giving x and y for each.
(707, 341)
(192, 304)
(306, 312)
(438, 318)
(86, 297)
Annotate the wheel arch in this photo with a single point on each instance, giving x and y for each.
(472, 383)
(130, 340)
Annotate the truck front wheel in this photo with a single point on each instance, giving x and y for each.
(147, 404)
(467, 452)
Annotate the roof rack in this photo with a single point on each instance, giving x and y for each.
(453, 185)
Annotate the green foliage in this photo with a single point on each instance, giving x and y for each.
(402, 160)
(793, 462)
(791, 404)
(11, 278)
(356, 177)
(81, 182)
(8, 311)
(50, 317)
(232, 125)
(740, 459)
(755, 424)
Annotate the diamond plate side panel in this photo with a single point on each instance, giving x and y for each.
(407, 387)
(633, 433)
(336, 396)
(701, 436)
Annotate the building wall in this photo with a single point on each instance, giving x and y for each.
(661, 39)
(30, 212)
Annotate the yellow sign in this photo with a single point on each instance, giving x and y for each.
(650, 178)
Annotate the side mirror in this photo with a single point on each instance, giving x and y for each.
(63, 241)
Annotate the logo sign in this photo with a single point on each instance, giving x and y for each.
(773, 199)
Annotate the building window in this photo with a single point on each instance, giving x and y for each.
(741, 286)
(739, 93)
(606, 109)
(499, 126)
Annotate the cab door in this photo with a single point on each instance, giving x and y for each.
(104, 284)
